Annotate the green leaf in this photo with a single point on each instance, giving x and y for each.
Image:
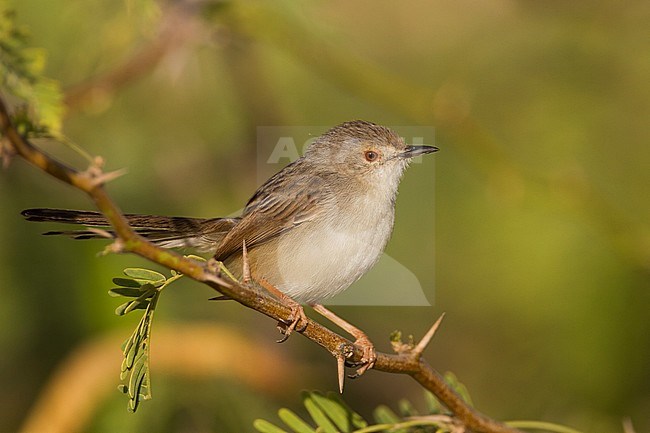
(264, 426)
(124, 291)
(47, 98)
(395, 336)
(145, 286)
(145, 293)
(129, 358)
(126, 282)
(334, 410)
(121, 308)
(319, 417)
(21, 73)
(137, 374)
(130, 306)
(326, 411)
(294, 421)
(457, 386)
(135, 365)
(406, 409)
(144, 274)
(135, 305)
(385, 415)
(433, 405)
(355, 419)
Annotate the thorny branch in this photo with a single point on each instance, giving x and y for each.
(91, 182)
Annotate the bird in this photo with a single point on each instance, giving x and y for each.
(306, 234)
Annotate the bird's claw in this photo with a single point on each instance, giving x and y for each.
(368, 357)
(297, 322)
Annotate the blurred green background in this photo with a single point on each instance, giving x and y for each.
(529, 228)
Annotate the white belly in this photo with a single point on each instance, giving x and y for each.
(331, 255)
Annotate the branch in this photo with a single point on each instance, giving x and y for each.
(91, 182)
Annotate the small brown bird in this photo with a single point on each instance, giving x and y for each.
(311, 230)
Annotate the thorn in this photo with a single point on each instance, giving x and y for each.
(343, 354)
(116, 247)
(246, 271)
(346, 351)
(98, 162)
(95, 167)
(340, 366)
(95, 174)
(217, 280)
(102, 178)
(417, 350)
(220, 298)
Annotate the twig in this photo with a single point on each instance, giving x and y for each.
(91, 183)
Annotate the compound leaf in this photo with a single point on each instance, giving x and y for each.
(294, 421)
(263, 426)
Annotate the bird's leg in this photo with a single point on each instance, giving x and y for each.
(362, 341)
(246, 267)
(297, 312)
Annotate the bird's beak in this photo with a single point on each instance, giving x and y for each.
(412, 151)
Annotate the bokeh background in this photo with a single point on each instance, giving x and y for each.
(529, 228)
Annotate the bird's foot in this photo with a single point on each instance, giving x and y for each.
(297, 320)
(368, 357)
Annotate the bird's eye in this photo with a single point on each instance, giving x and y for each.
(371, 155)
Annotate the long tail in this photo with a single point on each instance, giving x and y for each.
(170, 232)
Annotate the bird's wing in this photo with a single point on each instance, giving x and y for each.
(285, 201)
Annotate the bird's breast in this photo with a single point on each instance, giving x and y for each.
(321, 258)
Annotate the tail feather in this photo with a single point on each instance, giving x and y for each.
(170, 232)
(67, 216)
